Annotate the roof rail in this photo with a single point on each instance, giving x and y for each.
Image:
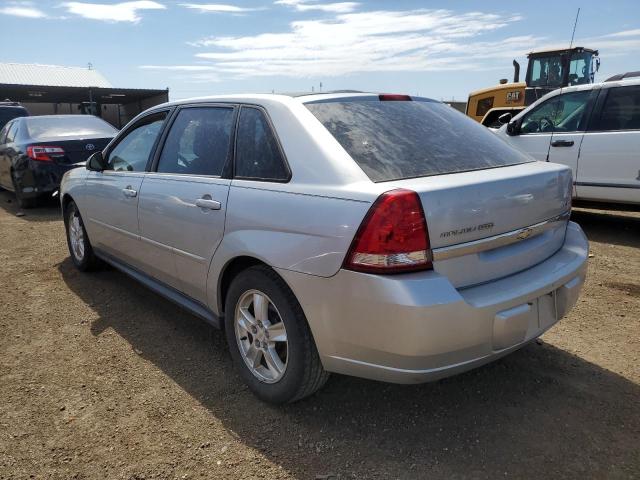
(622, 76)
(327, 92)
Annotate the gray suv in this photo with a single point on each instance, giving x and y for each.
(383, 236)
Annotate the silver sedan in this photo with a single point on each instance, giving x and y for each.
(382, 236)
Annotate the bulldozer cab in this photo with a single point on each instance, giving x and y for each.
(551, 69)
(546, 71)
(561, 68)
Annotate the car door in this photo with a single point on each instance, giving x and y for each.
(609, 169)
(111, 203)
(534, 134)
(569, 123)
(184, 198)
(260, 170)
(553, 130)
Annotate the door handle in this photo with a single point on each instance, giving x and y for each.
(208, 203)
(562, 143)
(129, 192)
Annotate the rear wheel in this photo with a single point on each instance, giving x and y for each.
(269, 338)
(77, 239)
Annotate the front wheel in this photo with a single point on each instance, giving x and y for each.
(269, 338)
(78, 240)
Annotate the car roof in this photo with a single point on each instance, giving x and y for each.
(284, 98)
(61, 116)
(624, 82)
(12, 105)
(627, 81)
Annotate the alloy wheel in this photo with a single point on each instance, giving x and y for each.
(76, 235)
(261, 336)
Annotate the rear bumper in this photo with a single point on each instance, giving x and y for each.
(417, 327)
(40, 178)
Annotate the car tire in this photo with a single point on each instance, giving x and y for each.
(77, 239)
(298, 372)
(24, 203)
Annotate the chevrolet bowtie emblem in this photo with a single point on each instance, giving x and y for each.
(524, 234)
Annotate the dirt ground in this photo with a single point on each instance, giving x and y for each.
(101, 378)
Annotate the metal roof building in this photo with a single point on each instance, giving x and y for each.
(51, 75)
(53, 89)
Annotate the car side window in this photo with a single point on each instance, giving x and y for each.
(198, 142)
(132, 152)
(3, 133)
(621, 109)
(562, 113)
(258, 155)
(11, 132)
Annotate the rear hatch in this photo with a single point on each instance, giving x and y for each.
(488, 224)
(490, 210)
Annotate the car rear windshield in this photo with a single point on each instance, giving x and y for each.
(393, 140)
(73, 126)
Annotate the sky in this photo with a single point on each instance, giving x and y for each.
(441, 50)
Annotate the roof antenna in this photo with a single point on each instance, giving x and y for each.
(574, 29)
(90, 66)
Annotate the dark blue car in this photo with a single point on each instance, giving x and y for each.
(36, 151)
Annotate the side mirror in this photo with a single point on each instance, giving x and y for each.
(513, 128)
(96, 162)
(505, 118)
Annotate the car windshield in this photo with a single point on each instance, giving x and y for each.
(392, 140)
(72, 126)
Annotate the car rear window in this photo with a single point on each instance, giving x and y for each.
(393, 140)
(75, 126)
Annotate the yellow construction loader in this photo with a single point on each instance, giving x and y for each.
(547, 70)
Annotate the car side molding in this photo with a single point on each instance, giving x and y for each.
(162, 289)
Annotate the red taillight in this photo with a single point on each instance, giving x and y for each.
(43, 153)
(393, 236)
(394, 97)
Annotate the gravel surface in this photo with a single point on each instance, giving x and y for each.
(100, 378)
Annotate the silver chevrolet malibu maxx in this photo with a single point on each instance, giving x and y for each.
(382, 236)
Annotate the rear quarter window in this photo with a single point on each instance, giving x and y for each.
(392, 140)
(258, 155)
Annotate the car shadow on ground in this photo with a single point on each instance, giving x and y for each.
(540, 409)
(47, 210)
(607, 226)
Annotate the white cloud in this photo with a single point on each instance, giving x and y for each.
(625, 33)
(179, 68)
(117, 12)
(305, 6)
(374, 41)
(24, 9)
(218, 8)
(609, 45)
